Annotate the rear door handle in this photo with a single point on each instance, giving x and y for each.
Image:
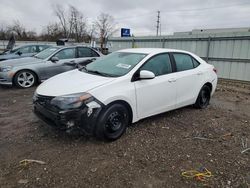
(172, 80)
(200, 73)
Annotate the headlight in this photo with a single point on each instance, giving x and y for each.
(70, 101)
(34, 98)
(5, 69)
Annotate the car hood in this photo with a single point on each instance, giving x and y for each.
(21, 61)
(71, 82)
(7, 56)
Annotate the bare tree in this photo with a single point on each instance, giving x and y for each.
(52, 32)
(61, 15)
(92, 32)
(106, 26)
(18, 29)
(72, 22)
(77, 23)
(3, 32)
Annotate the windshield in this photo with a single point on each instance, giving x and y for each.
(46, 53)
(14, 50)
(115, 64)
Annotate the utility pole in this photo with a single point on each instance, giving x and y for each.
(158, 22)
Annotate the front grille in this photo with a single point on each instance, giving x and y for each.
(44, 101)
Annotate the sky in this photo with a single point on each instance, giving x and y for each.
(138, 15)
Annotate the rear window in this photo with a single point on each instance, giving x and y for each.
(183, 62)
(87, 52)
(195, 62)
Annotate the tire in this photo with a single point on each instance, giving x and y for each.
(112, 123)
(203, 98)
(25, 79)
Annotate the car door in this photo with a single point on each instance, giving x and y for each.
(57, 67)
(85, 53)
(188, 79)
(156, 95)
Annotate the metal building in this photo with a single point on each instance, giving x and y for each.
(227, 49)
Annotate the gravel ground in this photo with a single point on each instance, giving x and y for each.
(153, 152)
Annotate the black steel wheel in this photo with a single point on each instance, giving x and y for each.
(113, 122)
(203, 97)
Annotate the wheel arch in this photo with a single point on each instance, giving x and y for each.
(126, 104)
(209, 85)
(36, 75)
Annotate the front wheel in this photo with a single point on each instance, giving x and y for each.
(113, 122)
(203, 97)
(25, 79)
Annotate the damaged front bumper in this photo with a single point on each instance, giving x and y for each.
(83, 118)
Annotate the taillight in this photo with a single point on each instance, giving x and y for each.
(214, 69)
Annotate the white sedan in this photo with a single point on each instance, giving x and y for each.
(104, 97)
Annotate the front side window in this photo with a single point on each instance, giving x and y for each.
(68, 53)
(25, 50)
(159, 65)
(86, 52)
(116, 64)
(183, 62)
(41, 48)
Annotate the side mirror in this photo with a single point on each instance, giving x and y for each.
(144, 74)
(19, 53)
(54, 59)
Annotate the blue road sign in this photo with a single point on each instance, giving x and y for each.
(125, 32)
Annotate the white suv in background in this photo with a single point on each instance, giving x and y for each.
(108, 94)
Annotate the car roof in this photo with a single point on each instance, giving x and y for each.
(34, 45)
(71, 46)
(152, 50)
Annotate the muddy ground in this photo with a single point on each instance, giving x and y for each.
(153, 152)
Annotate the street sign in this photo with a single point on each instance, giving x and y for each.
(125, 32)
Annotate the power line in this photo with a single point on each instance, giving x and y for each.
(206, 8)
(181, 10)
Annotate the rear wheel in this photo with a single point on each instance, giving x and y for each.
(25, 79)
(203, 97)
(112, 123)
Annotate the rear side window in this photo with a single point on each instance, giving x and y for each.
(68, 53)
(25, 50)
(159, 65)
(87, 52)
(183, 62)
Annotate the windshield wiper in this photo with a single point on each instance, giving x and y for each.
(99, 73)
(36, 57)
(82, 67)
(95, 72)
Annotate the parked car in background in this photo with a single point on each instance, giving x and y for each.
(124, 87)
(23, 51)
(26, 72)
